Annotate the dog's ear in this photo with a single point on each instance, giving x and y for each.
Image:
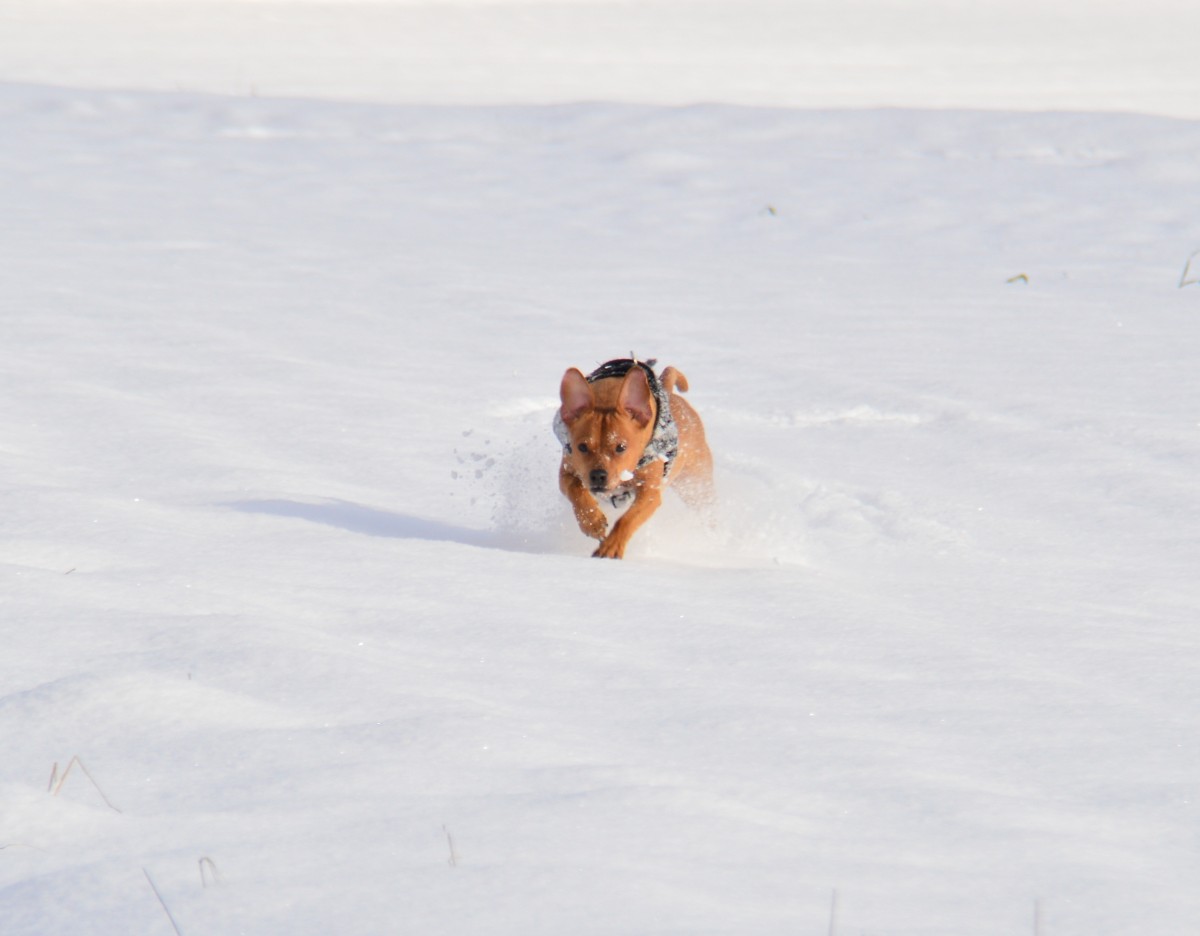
(576, 395)
(635, 397)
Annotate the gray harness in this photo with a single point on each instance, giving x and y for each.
(664, 443)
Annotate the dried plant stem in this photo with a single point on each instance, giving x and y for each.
(453, 860)
(1187, 267)
(211, 874)
(56, 781)
(166, 909)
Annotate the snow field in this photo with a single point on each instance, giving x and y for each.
(1098, 55)
(287, 567)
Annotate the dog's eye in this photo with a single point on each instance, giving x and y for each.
(583, 447)
(621, 448)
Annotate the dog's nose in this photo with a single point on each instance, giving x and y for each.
(599, 478)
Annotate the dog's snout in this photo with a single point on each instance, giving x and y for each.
(599, 478)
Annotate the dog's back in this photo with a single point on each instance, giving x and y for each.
(691, 475)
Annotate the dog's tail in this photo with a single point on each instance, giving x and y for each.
(672, 378)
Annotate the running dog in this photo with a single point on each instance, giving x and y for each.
(626, 434)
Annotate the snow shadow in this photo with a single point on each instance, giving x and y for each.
(371, 522)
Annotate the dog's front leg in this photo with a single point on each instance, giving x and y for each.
(647, 501)
(588, 514)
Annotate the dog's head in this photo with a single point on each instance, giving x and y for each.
(609, 422)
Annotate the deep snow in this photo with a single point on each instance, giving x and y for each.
(287, 569)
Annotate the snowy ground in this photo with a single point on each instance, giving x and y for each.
(286, 567)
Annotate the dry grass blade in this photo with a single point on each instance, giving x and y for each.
(56, 781)
(166, 909)
(208, 872)
(1187, 268)
(453, 859)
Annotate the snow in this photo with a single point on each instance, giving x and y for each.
(1079, 55)
(287, 570)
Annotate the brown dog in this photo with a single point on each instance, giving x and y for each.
(626, 434)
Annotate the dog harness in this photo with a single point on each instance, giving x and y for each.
(664, 443)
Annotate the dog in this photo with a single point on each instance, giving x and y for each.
(626, 434)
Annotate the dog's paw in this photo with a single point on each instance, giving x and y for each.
(611, 547)
(593, 523)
